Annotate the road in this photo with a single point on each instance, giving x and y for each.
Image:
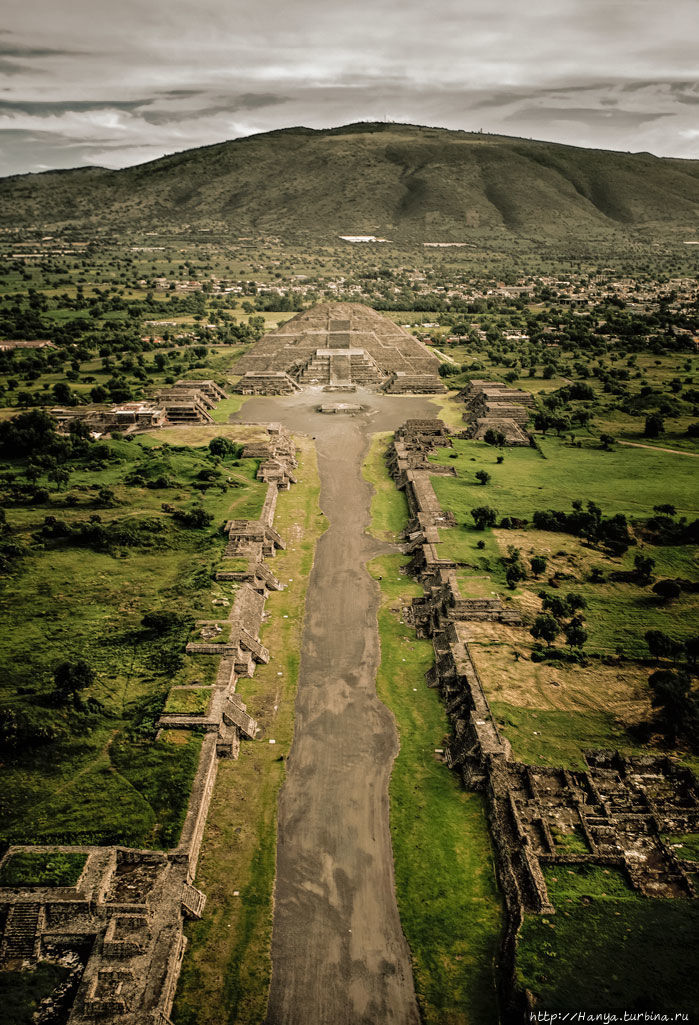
(338, 950)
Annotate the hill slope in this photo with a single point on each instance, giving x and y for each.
(402, 181)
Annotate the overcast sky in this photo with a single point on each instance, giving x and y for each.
(120, 82)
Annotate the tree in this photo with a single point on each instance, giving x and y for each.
(655, 426)
(59, 475)
(667, 590)
(545, 629)
(514, 573)
(538, 564)
(482, 476)
(606, 441)
(63, 394)
(542, 422)
(691, 647)
(484, 516)
(194, 518)
(678, 706)
(575, 602)
(557, 606)
(30, 433)
(576, 635)
(643, 569)
(661, 645)
(70, 678)
(222, 447)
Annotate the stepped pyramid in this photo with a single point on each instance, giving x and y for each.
(339, 346)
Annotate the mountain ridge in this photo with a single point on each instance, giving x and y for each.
(407, 182)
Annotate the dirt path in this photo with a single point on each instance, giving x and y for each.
(657, 448)
(339, 954)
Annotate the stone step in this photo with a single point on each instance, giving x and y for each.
(253, 645)
(19, 941)
(234, 714)
(193, 901)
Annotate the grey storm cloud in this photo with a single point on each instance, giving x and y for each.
(93, 82)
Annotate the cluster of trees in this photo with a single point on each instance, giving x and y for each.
(661, 645)
(561, 615)
(663, 528)
(130, 532)
(610, 531)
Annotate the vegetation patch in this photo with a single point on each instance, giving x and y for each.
(186, 701)
(448, 901)
(685, 845)
(93, 635)
(565, 959)
(42, 868)
(21, 993)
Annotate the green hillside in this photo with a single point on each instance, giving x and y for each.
(399, 181)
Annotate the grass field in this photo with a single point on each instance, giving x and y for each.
(227, 968)
(42, 868)
(447, 897)
(626, 480)
(67, 603)
(566, 959)
(553, 711)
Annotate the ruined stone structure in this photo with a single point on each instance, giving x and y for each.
(127, 417)
(615, 811)
(185, 402)
(276, 455)
(339, 347)
(495, 407)
(121, 924)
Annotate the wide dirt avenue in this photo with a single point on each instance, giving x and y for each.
(338, 950)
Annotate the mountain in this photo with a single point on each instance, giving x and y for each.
(402, 182)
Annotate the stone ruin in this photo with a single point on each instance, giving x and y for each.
(612, 813)
(185, 402)
(348, 408)
(120, 927)
(277, 457)
(339, 347)
(495, 407)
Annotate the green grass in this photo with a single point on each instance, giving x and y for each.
(553, 737)
(42, 868)
(389, 506)
(197, 670)
(685, 845)
(103, 790)
(626, 480)
(227, 407)
(608, 948)
(21, 993)
(187, 702)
